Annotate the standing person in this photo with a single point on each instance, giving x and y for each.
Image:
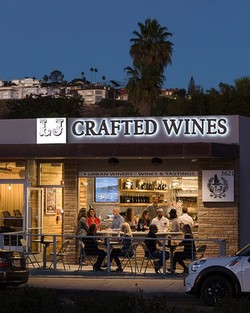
(152, 208)
(151, 244)
(126, 248)
(91, 247)
(131, 218)
(174, 221)
(161, 221)
(93, 219)
(188, 250)
(117, 219)
(82, 226)
(144, 221)
(185, 218)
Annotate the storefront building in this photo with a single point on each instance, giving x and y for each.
(51, 167)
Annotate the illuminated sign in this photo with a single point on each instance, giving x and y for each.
(51, 130)
(157, 129)
(219, 129)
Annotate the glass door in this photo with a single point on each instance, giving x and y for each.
(33, 222)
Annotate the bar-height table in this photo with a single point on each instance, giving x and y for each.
(45, 243)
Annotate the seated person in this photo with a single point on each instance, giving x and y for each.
(131, 218)
(117, 219)
(152, 248)
(126, 249)
(144, 221)
(91, 247)
(188, 250)
(93, 219)
(82, 227)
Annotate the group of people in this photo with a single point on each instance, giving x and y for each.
(89, 224)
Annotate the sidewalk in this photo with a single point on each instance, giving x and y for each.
(103, 281)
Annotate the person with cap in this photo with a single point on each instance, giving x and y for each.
(174, 221)
(161, 221)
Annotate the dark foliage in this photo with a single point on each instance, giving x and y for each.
(44, 107)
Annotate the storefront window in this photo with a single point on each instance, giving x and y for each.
(51, 174)
(136, 192)
(11, 206)
(12, 170)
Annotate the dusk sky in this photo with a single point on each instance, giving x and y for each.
(211, 38)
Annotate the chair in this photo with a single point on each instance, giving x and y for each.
(128, 258)
(61, 255)
(6, 214)
(90, 258)
(200, 252)
(30, 256)
(17, 212)
(148, 258)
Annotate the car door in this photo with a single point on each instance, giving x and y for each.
(246, 274)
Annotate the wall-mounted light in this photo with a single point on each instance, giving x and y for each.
(9, 187)
(194, 160)
(156, 161)
(113, 161)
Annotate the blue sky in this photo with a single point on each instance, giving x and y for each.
(211, 38)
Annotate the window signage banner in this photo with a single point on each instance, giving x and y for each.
(218, 186)
(220, 129)
(140, 174)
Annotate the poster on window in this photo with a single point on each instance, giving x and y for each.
(51, 201)
(218, 186)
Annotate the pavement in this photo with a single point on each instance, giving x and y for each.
(89, 280)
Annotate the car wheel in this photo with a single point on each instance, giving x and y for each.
(215, 288)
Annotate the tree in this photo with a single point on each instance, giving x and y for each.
(191, 86)
(45, 78)
(95, 70)
(151, 53)
(91, 71)
(56, 76)
(44, 107)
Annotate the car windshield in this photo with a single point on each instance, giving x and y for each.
(244, 251)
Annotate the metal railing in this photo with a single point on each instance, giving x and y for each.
(11, 241)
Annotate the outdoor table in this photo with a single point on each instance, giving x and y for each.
(139, 234)
(45, 243)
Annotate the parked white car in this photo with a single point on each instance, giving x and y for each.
(214, 279)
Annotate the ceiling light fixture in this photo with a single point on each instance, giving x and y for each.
(113, 161)
(156, 161)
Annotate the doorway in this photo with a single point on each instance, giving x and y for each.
(33, 221)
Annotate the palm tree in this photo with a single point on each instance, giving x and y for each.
(91, 70)
(151, 53)
(95, 70)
